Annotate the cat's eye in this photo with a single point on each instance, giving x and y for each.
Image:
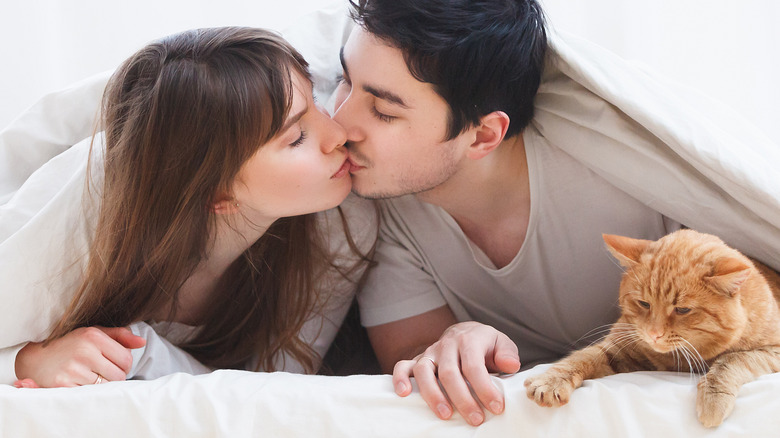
(682, 310)
(644, 304)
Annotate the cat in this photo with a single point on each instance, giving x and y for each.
(688, 303)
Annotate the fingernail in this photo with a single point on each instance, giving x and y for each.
(444, 411)
(495, 407)
(400, 388)
(475, 419)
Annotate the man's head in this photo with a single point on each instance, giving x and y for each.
(452, 63)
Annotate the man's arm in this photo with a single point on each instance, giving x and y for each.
(407, 338)
(436, 350)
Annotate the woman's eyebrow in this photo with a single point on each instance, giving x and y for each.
(294, 119)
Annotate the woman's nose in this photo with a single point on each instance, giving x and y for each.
(335, 134)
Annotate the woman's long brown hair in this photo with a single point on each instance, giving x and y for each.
(181, 117)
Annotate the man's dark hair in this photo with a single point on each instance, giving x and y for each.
(480, 55)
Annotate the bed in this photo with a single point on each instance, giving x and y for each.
(697, 154)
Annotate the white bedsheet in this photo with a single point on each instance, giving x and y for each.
(240, 403)
(607, 112)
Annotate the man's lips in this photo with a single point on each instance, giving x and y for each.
(353, 167)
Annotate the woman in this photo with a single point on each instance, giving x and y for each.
(216, 156)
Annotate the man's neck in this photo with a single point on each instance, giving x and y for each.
(490, 200)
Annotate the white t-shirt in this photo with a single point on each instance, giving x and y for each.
(557, 292)
(45, 232)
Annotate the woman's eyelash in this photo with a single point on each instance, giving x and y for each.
(300, 139)
(382, 117)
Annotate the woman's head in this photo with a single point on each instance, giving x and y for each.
(186, 113)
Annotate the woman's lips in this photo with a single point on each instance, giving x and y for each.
(343, 170)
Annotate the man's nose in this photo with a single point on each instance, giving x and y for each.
(347, 115)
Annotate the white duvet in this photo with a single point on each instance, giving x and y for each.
(688, 157)
(237, 404)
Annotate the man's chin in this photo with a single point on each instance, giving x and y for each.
(367, 195)
(372, 193)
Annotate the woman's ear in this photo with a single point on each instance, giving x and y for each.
(225, 206)
(489, 134)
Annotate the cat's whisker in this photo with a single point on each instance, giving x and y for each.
(617, 329)
(692, 363)
(601, 331)
(633, 337)
(703, 367)
(677, 358)
(699, 363)
(619, 338)
(619, 342)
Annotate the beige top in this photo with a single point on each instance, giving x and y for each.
(561, 285)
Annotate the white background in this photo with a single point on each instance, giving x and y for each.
(727, 49)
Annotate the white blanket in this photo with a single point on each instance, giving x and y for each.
(279, 405)
(688, 157)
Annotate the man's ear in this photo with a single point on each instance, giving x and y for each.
(489, 134)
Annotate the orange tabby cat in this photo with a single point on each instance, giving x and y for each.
(688, 302)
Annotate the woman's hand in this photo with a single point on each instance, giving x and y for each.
(85, 356)
(463, 356)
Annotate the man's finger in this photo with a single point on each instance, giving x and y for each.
(401, 381)
(425, 375)
(505, 356)
(475, 372)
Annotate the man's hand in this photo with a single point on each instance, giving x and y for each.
(84, 356)
(463, 356)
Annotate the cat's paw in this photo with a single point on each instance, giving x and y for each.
(549, 389)
(713, 405)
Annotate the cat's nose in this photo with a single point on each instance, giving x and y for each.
(655, 334)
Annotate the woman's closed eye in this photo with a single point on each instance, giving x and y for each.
(299, 140)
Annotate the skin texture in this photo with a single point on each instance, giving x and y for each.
(689, 303)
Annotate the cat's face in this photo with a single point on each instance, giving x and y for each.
(680, 293)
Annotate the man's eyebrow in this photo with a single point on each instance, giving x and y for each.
(377, 92)
(386, 95)
(293, 120)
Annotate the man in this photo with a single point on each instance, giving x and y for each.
(483, 218)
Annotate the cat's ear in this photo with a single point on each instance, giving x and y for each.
(728, 275)
(625, 249)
